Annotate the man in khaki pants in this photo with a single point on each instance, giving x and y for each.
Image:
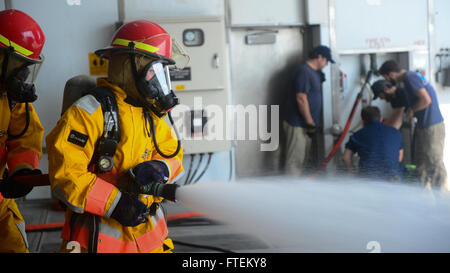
(420, 101)
(429, 154)
(297, 149)
(302, 110)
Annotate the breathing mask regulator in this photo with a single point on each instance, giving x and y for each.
(19, 84)
(153, 84)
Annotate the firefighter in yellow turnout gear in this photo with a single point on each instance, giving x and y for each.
(21, 42)
(102, 216)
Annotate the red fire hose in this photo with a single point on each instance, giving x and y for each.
(339, 142)
(347, 127)
(59, 225)
(44, 227)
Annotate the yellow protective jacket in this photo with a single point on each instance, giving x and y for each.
(71, 146)
(17, 153)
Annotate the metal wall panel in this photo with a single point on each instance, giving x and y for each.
(378, 25)
(261, 75)
(266, 12)
(134, 9)
(317, 12)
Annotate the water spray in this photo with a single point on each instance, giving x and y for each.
(311, 215)
(328, 216)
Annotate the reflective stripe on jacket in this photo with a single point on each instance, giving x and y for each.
(25, 151)
(71, 146)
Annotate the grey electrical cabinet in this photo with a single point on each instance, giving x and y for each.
(203, 41)
(202, 85)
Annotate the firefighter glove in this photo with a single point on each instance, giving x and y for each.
(10, 188)
(130, 212)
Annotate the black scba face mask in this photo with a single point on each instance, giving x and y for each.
(153, 83)
(18, 89)
(16, 85)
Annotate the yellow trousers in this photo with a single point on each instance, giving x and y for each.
(12, 228)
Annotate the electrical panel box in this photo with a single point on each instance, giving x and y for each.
(201, 38)
(202, 85)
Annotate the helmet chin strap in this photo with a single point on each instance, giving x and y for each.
(132, 47)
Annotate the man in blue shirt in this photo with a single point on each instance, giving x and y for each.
(421, 102)
(302, 110)
(380, 148)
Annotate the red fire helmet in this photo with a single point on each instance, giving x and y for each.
(147, 38)
(21, 32)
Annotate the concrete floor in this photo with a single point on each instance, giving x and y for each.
(198, 230)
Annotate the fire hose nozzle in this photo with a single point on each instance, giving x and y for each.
(133, 186)
(159, 189)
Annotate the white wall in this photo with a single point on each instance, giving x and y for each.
(257, 12)
(442, 21)
(171, 8)
(380, 24)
